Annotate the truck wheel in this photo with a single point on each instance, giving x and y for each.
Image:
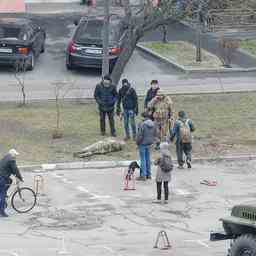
(245, 245)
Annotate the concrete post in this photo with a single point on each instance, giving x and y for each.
(198, 35)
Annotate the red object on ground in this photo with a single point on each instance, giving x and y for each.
(129, 179)
(7, 6)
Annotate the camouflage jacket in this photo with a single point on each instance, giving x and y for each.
(161, 107)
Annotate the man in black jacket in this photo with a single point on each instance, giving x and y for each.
(105, 95)
(151, 93)
(128, 96)
(8, 167)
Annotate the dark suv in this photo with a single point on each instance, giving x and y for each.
(20, 39)
(86, 46)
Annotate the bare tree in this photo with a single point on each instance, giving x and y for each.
(138, 22)
(61, 89)
(20, 68)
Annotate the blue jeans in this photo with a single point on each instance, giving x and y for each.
(145, 162)
(129, 118)
(3, 191)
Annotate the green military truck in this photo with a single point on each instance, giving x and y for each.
(240, 228)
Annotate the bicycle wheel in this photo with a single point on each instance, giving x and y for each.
(23, 200)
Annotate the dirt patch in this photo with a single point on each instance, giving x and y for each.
(65, 219)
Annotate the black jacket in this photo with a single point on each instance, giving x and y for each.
(8, 167)
(151, 93)
(128, 96)
(106, 97)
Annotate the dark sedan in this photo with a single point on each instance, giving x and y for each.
(20, 40)
(86, 47)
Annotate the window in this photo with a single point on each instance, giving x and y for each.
(93, 30)
(10, 32)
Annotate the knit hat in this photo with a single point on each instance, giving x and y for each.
(164, 149)
(182, 114)
(13, 152)
(125, 81)
(154, 81)
(107, 77)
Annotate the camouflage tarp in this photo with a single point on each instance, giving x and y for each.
(101, 147)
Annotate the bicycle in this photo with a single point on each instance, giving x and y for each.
(23, 199)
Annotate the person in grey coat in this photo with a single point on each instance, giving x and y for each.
(163, 174)
(146, 137)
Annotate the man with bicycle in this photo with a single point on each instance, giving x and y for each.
(8, 167)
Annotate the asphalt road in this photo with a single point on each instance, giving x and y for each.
(93, 215)
(141, 69)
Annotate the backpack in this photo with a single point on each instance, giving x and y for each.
(185, 133)
(166, 164)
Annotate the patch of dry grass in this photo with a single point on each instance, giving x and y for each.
(184, 54)
(225, 124)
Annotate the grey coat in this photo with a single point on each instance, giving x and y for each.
(162, 176)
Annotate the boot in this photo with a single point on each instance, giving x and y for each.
(3, 214)
(189, 164)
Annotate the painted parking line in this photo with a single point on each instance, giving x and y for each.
(95, 196)
(9, 252)
(182, 192)
(82, 189)
(200, 242)
(67, 181)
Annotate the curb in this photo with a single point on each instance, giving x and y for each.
(246, 53)
(191, 70)
(117, 164)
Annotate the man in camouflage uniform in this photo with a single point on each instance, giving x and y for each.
(162, 111)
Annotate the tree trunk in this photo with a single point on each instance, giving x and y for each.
(58, 115)
(23, 95)
(124, 57)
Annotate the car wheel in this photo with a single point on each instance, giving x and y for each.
(69, 65)
(31, 61)
(111, 67)
(244, 245)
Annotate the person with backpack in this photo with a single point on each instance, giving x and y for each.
(183, 127)
(163, 174)
(105, 95)
(146, 136)
(128, 96)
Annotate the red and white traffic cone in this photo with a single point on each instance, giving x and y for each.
(127, 180)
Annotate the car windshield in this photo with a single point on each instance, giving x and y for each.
(92, 31)
(13, 33)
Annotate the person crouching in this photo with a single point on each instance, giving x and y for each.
(163, 174)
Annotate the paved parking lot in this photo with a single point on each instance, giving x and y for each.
(87, 212)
